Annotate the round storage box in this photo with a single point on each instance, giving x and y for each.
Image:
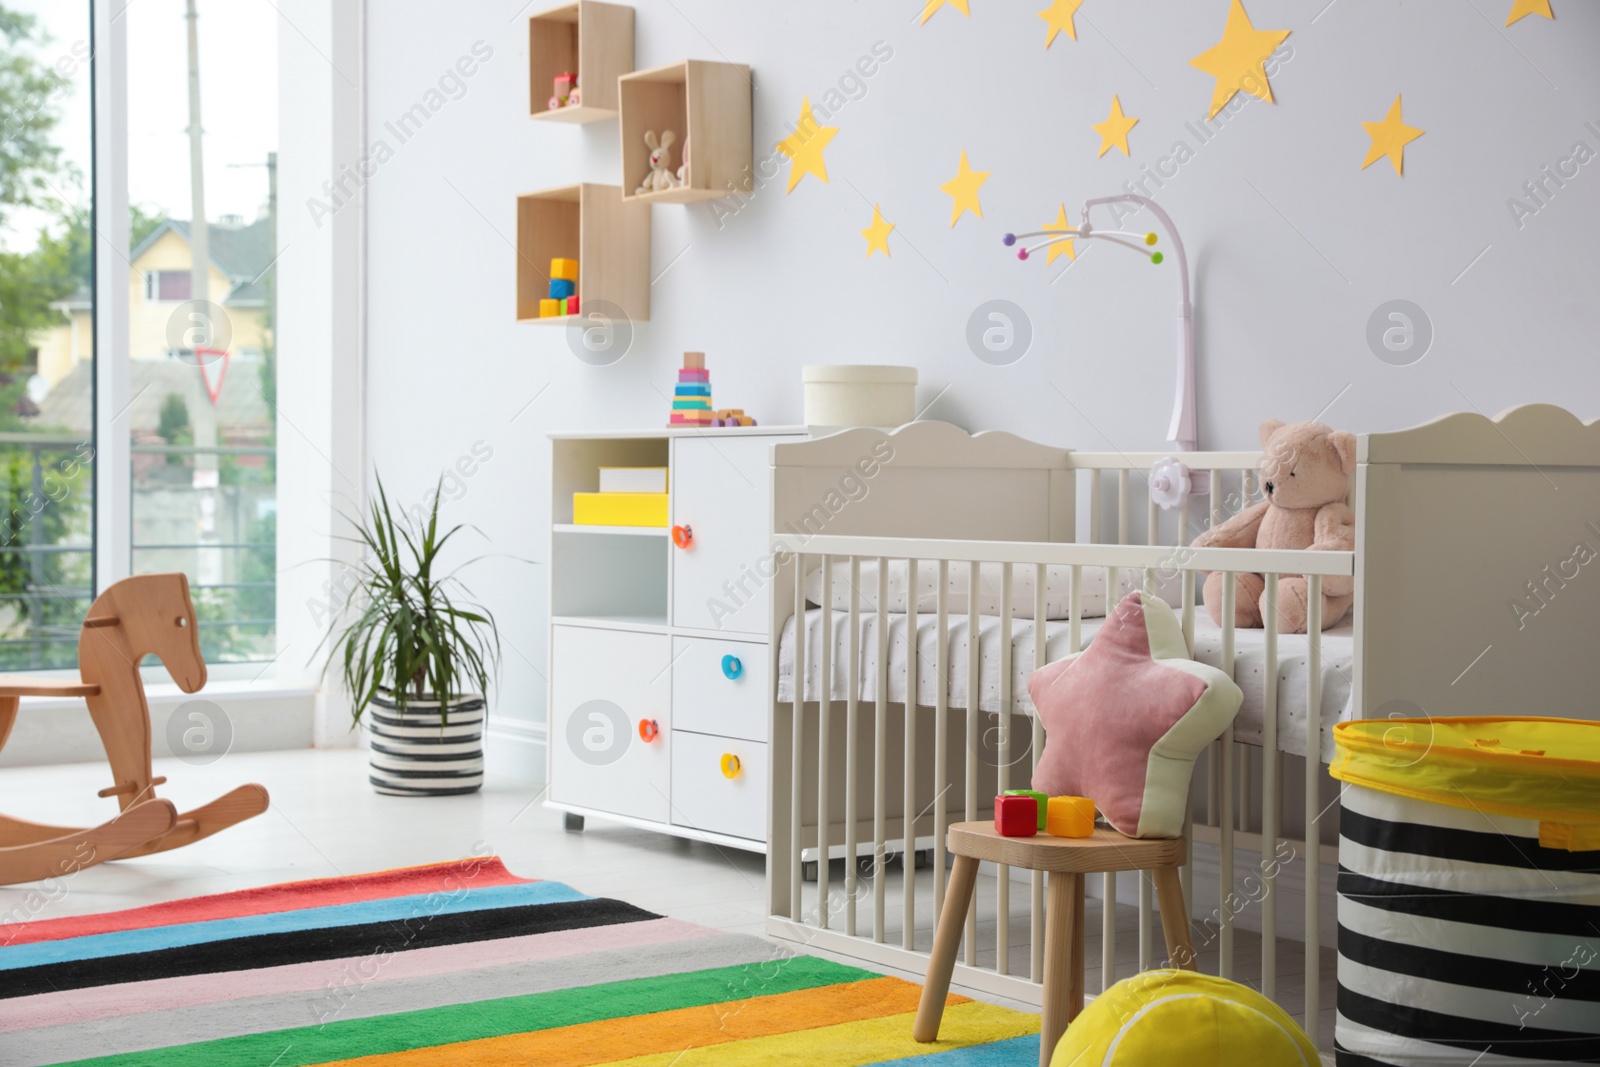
(1469, 892)
(860, 395)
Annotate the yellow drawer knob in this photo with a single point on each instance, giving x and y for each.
(730, 765)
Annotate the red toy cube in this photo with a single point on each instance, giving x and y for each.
(1016, 816)
(572, 305)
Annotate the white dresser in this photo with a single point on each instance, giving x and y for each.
(659, 664)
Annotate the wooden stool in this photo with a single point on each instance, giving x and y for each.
(1067, 859)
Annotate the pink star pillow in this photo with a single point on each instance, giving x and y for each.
(1126, 718)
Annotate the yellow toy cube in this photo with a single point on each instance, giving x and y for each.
(1070, 817)
(551, 308)
(564, 268)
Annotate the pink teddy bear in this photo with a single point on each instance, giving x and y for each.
(1305, 472)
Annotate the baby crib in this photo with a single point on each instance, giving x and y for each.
(900, 704)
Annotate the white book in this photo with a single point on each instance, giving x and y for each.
(633, 479)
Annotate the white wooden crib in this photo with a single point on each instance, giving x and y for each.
(1465, 603)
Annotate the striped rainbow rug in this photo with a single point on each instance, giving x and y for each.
(454, 964)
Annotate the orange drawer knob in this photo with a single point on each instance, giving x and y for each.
(649, 730)
(1070, 817)
(683, 536)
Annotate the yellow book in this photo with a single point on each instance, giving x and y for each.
(619, 509)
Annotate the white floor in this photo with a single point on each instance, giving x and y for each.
(326, 821)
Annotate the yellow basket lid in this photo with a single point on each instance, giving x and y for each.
(1546, 769)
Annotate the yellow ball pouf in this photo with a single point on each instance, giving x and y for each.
(1197, 1020)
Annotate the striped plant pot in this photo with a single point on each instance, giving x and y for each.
(1461, 939)
(413, 755)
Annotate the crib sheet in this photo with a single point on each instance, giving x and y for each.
(1338, 655)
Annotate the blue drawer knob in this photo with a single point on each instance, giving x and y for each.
(731, 667)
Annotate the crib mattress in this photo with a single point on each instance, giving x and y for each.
(1250, 662)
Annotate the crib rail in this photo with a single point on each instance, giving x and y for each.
(1232, 805)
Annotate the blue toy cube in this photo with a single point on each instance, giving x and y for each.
(561, 288)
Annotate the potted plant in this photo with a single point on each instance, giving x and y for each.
(418, 654)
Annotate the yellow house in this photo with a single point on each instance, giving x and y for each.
(161, 323)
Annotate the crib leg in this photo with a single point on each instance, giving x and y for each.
(942, 961)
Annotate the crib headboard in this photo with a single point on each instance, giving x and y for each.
(925, 479)
(1478, 567)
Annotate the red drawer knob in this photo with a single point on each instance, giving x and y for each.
(683, 535)
(649, 730)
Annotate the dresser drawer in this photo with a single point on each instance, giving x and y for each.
(704, 797)
(604, 682)
(720, 687)
(721, 490)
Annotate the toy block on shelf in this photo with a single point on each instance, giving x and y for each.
(1041, 799)
(691, 375)
(694, 361)
(1016, 816)
(572, 305)
(584, 234)
(549, 309)
(564, 84)
(561, 288)
(692, 389)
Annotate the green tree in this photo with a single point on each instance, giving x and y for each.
(174, 426)
(30, 94)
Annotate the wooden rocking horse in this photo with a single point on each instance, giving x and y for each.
(146, 615)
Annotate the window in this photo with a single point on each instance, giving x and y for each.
(166, 286)
(201, 413)
(46, 333)
(194, 485)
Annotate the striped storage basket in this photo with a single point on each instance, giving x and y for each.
(413, 755)
(1469, 892)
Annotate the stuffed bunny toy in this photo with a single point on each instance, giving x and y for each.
(660, 176)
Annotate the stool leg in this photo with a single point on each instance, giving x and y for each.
(946, 939)
(1063, 960)
(1174, 917)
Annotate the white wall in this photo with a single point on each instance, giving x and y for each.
(1293, 245)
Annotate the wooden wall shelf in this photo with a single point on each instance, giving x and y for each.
(590, 39)
(609, 238)
(707, 105)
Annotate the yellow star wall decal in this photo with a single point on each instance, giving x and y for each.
(804, 146)
(1114, 130)
(1521, 9)
(1058, 19)
(1389, 138)
(1237, 61)
(963, 190)
(1060, 248)
(934, 5)
(877, 234)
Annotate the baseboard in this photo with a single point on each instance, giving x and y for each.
(515, 748)
(238, 716)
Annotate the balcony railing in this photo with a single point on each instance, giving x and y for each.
(221, 532)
